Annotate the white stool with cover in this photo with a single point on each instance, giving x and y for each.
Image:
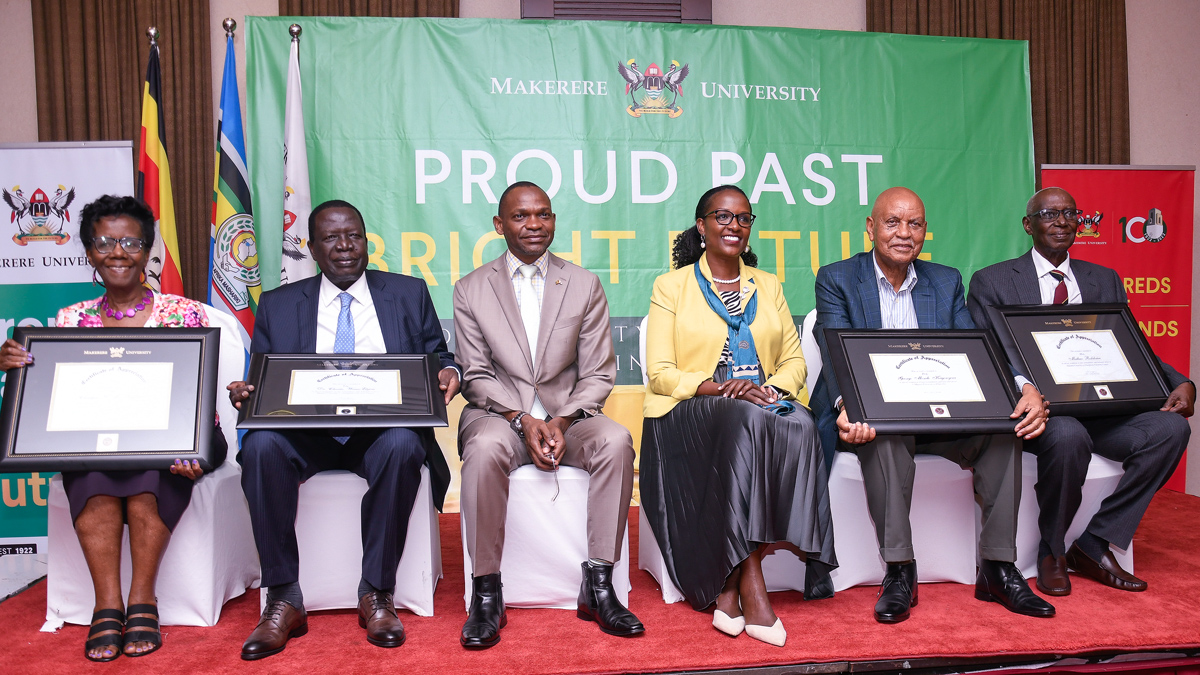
(1102, 478)
(329, 540)
(211, 557)
(545, 541)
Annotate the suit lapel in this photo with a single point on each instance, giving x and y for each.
(552, 299)
(1025, 281)
(1089, 287)
(388, 315)
(925, 302)
(307, 315)
(506, 297)
(868, 292)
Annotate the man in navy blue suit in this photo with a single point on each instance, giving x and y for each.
(891, 288)
(345, 309)
(1148, 445)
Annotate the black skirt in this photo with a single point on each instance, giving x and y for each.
(172, 491)
(720, 476)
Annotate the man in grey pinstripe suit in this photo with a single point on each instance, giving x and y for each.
(891, 288)
(1148, 445)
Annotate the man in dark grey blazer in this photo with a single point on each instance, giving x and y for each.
(890, 287)
(1149, 445)
(343, 310)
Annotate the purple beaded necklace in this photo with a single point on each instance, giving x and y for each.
(126, 313)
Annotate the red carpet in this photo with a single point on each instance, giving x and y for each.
(948, 623)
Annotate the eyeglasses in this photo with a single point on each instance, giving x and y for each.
(724, 217)
(107, 244)
(1051, 215)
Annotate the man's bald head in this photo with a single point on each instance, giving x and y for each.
(886, 198)
(1038, 201)
(519, 185)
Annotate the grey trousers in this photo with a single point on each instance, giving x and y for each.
(888, 468)
(491, 450)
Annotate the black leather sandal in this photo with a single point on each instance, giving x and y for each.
(142, 626)
(104, 633)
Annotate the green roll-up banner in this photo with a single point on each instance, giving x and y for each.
(421, 123)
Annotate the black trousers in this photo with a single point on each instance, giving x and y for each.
(274, 463)
(1148, 446)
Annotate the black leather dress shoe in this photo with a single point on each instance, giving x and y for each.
(280, 622)
(897, 593)
(487, 616)
(598, 602)
(1106, 570)
(1052, 576)
(377, 613)
(817, 585)
(1002, 582)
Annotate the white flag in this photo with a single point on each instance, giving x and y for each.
(297, 199)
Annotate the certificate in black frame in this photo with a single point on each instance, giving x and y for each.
(28, 444)
(849, 353)
(423, 403)
(1015, 324)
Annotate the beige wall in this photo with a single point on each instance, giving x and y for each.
(18, 106)
(489, 9)
(1164, 119)
(827, 14)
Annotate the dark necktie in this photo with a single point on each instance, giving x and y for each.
(1060, 291)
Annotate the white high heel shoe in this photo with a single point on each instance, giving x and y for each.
(732, 626)
(773, 635)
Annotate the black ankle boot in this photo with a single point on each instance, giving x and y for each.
(897, 593)
(487, 615)
(598, 602)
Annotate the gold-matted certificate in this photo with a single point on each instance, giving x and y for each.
(124, 396)
(1083, 356)
(345, 387)
(926, 378)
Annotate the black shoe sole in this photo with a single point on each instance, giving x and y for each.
(386, 643)
(587, 616)
(299, 632)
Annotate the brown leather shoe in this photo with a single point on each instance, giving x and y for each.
(280, 622)
(377, 613)
(1107, 570)
(1052, 576)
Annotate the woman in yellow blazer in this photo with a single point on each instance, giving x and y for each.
(730, 462)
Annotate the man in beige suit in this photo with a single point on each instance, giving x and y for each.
(535, 349)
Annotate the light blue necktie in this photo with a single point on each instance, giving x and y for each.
(343, 341)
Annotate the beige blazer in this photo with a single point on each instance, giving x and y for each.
(576, 366)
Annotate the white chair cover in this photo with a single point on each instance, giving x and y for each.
(548, 535)
(329, 537)
(1102, 478)
(211, 557)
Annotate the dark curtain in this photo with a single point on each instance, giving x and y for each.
(447, 8)
(1078, 64)
(90, 60)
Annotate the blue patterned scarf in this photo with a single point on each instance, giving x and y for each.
(741, 341)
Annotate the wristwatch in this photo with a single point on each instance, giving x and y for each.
(515, 423)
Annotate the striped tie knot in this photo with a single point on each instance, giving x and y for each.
(1060, 291)
(1058, 275)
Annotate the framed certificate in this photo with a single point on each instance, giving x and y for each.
(110, 398)
(343, 391)
(1088, 360)
(923, 381)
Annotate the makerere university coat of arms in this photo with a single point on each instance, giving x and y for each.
(40, 218)
(655, 87)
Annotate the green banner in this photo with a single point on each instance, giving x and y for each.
(421, 123)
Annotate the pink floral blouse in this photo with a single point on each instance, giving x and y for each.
(170, 311)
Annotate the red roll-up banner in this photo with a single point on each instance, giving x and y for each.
(1138, 221)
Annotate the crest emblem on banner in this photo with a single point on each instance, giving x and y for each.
(655, 87)
(235, 259)
(40, 217)
(293, 244)
(1154, 228)
(1089, 226)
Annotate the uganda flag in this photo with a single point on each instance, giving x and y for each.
(233, 281)
(154, 185)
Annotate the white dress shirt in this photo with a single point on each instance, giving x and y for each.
(368, 336)
(1047, 283)
(896, 308)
